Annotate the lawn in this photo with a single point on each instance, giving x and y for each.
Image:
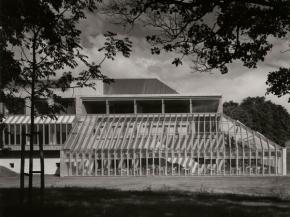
(74, 201)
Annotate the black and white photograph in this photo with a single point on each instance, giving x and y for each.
(144, 108)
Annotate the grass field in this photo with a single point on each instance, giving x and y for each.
(257, 186)
(152, 196)
(70, 202)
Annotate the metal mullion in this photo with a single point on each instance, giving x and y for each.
(210, 135)
(204, 151)
(250, 152)
(224, 146)
(4, 137)
(37, 135)
(230, 149)
(126, 131)
(276, 162)
(15, 142)
(174, 132)
(102, 162)
(262, 155)
(143, 125)
(269, 157)
(255, 150)
(111, 145)
(243, 151)
(184, 146)
(60, 130)
(191, 144)
(20, 134)
(94, 140)
(74, 142)
(198, 142)
(104, 143)
(116, 146)
(166, 144)
(111, 141)
(9, 135)
(131, 136)
(217, 149)
(144, 133)
(109, 162)
(138, 132)
(66, 133)
(156, 136)
(43, 134)
(123, 141)
(54, 136)
(161, 141)
(237, 149)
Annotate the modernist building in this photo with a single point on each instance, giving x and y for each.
(142, 127)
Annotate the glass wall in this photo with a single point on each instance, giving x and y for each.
(168, 145)
(54, 132)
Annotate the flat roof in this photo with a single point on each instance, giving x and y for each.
(152, 96)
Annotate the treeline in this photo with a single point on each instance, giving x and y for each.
(262, 115)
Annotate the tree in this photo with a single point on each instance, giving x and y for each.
(279, 82)
(213, 33)
(40, 45)
(263, 116)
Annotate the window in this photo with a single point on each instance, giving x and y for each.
(176, 106)
(149, 106)
(121, 107)
(95, 107)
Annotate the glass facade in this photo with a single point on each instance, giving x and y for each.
(167, 145)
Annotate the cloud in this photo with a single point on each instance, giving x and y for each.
(239, 83)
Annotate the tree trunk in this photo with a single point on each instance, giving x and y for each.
(22, 166)
(32, 113)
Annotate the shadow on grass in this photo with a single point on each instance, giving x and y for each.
(100, 202)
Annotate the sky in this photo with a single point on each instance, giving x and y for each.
(236, 85)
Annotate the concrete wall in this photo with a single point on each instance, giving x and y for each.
(51, 165)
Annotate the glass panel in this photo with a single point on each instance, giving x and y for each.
(12, 133)
(149, 106)
(205, 105)
(176, 106)
(121, 107)
(95, 107)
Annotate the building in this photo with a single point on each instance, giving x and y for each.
(142, 127)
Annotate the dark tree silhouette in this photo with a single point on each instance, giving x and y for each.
(279, 82)
(213, 33)
(40, 47)
(262, 115)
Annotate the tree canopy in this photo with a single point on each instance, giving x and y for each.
(213, 33)
(40, 48)
(261, 115)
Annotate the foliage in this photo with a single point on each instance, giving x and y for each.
(279, 82)
(40, 46)
(40, 49)
(213, 33)
(263, 116)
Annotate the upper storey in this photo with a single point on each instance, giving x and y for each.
(131, 96)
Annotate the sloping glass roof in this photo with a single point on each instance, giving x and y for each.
(202, 132)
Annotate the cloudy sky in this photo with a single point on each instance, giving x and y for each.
(239, 83)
